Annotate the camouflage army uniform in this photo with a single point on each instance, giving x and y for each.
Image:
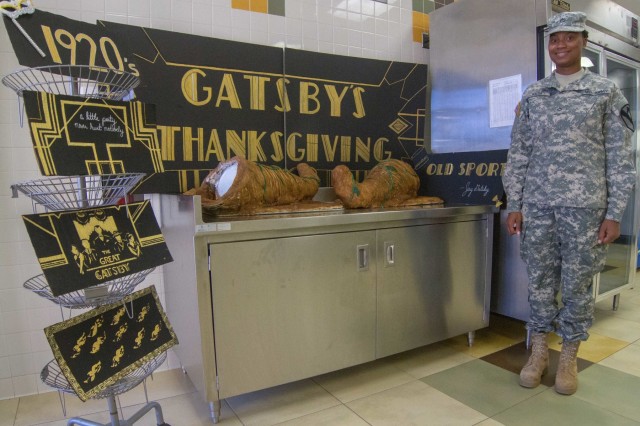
(569, 167)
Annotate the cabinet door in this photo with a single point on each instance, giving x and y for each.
(289, 308)
(431, 284)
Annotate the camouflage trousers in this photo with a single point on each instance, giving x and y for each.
(559, 246)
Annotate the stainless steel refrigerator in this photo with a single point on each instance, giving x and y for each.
(483, 54)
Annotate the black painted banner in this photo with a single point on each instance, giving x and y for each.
(85, 136)
(81, 248)
(352, 111)
(471, 178)
(66, 41)
(216, 99)
(99, 347)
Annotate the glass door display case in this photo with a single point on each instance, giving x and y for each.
(619, 271)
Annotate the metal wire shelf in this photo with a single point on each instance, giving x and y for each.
(52, 376)
(78, 192)
(102, 294)
(75, 80)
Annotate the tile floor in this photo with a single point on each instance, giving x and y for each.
(446, 383)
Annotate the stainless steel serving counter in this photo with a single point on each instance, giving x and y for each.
(258, 301)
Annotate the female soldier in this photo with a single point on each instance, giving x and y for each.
(569, 174)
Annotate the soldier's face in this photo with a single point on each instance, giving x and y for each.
(565, 50)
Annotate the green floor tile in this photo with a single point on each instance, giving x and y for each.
(610, 389)
(482, 386)
(549, 408)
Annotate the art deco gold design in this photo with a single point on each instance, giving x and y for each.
(399, 125)
(53, 124)
(117, 316)
(95, 369)
(79, 344)
(118, 356)
(112, 356)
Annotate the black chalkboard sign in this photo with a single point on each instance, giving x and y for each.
(80, 248)
(471, 178)
(84, 136)
(99, 347)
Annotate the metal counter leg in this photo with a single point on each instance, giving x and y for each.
(214, 410)
(616, 302)
(471, 337)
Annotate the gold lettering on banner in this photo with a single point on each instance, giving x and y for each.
(276, 142)
(335, 99)
(293, 153)
(466, 169)
(345, 148)
(312, 148)
(256, 153)
(439, 169)
(198, 88)
(256, 91)
(284, 106)
(236, 143)
(379, 152)
(330, 147)
(309, 94)
(190, 88)
(363, 150)
(214, 148)
(228, 92)
(209, 145)
(481, 169)
(188, 140)
(109, 51)
(357, 97)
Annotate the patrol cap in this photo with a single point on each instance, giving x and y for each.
(567, 21)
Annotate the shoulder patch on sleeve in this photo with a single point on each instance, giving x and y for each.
(627, 119)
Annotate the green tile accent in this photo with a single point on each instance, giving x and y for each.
(423, 6)
(482, 386)
(429, 6)
(610, 389)
(276, 7)
(550, 408)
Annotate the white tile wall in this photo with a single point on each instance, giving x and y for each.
(361, 28)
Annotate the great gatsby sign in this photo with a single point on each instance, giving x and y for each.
(81, 248)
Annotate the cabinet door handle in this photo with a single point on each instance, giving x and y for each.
(363, 257)
(390, 253)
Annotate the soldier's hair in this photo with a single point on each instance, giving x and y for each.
(585, 34)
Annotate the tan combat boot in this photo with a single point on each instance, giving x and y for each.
(567, 375)
(538, 362)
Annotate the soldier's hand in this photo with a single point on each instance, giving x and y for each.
(514, 223)
(609, 231)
